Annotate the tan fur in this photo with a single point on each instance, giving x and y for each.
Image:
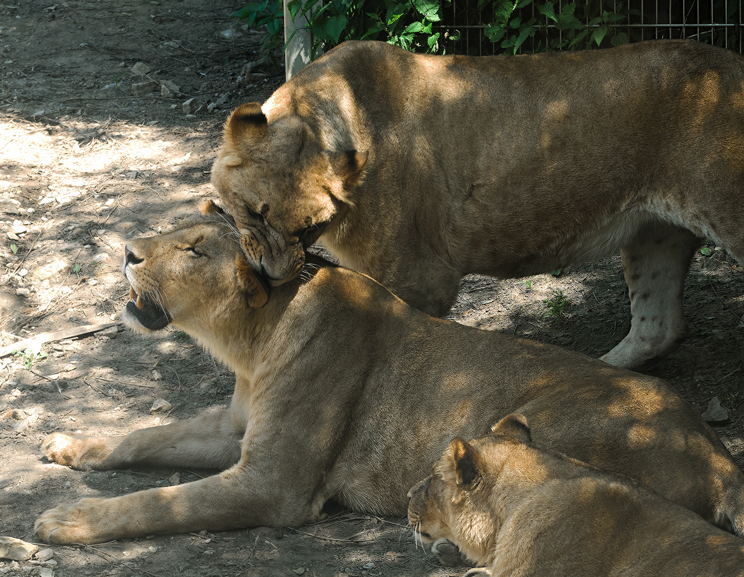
(344, 392)
(525, 512)
(506, 166)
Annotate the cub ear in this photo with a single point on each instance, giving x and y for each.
(347, 166)
(210, 207)
(256, 295)
(246, 123)
(514, 425)
(467, 462)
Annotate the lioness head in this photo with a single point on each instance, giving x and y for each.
(456, 501)
(174, 275)
(282, 187)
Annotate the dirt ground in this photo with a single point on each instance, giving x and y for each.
(93, 154)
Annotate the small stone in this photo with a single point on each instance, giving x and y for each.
(190, 106)
(101, 257)
(15, 549)
(174, 479)
(142, 88)
(299, 571)
(44, 554)
(46, 572)
(169, 89)
(160, 406)
(13, 236)
(10, 206)
(716, 414)
(19, 227)
(156, 376)
(140, 69)
(23, 292)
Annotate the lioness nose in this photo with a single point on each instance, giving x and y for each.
(130, 257)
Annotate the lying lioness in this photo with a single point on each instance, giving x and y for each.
(344, 392)
(418, 169)
(522, 511)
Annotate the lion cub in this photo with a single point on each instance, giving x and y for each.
(522, 511)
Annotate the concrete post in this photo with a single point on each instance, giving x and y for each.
(297, 52)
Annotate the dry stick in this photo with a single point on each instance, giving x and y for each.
(56, 336)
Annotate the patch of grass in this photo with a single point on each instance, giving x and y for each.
(556, 304)
(32, 353)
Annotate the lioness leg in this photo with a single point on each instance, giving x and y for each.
(655, 265)
(210, 441)
(237, 498)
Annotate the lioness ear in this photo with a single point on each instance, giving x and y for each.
(210, 207)
(466, 460)
(255, 294)
(348, 166)
(246, 123)
(514, 425)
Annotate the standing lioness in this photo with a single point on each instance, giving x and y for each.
(419, 169)
(525, 512)
(344, 392)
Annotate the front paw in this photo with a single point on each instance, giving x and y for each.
(76, 451)
(448, 553)
(72, 523)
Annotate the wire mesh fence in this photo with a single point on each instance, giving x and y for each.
(464, 25)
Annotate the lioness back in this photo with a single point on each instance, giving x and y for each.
(418, 169)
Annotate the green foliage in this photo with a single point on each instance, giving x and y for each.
(13, 248)
(419, 25)
(436, 26)
(556, 304)
(33, 352)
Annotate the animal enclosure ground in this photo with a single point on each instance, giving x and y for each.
(96, 149)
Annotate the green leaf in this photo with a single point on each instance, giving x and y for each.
(429, 9)
(528, 31)
(14, 249)
(557, 272)
(334, 27)
(432, 41)
(619, 39)
(599, 34)
(494, 33)
(568, 22)
(548, 11)
(705, 251)
(413, 28)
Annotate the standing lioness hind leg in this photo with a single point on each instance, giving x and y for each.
(655, 264)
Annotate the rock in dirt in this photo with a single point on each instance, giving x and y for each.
(190, 106)
(142, 88)
(10, 206)
(44, 555)
(160, 406)
(169, 89)
(140, 69)
(12, 548)
(716, 414)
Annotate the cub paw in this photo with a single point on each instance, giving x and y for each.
(448, 553)
(68, 523)
(76, 451)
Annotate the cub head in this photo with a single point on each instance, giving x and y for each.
(457, 501)
(195, 277)
(282, 187)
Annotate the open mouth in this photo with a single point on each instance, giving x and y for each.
(150, 315)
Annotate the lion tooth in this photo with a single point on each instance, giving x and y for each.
(140, 303)
(132, 294)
